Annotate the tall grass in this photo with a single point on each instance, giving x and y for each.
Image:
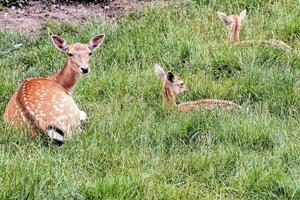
(134, 148)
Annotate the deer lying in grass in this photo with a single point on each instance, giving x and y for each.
(46, 103)
(173, 85)
(233, 23)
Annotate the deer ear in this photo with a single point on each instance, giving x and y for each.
(224, 18)
(160, 72)
(96, 41)
(170, 77)
(60, 43)
(243, 15)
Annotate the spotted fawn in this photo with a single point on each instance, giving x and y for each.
(174, 85)
(46, 104)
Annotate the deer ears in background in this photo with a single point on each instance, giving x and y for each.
(243, 15)
(60, 43)
(227, 20)
(96, 41)
(224, 18)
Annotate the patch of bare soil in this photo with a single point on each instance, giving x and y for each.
(30, 17)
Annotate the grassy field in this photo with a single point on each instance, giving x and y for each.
(134, 148)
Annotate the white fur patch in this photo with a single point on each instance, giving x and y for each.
(55, 135)
(82, 116)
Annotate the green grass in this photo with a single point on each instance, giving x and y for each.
(134, 148)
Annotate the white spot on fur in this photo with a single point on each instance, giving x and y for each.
(23, 117)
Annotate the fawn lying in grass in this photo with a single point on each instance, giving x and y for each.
(233, 23)
(173, 85)
(46, 103)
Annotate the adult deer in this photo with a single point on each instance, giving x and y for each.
(46, 104)
(234, 22)
(173, 85)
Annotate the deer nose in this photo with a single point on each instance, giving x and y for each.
(185, 89)
(85, 70)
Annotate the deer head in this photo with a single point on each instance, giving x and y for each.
(78, 54)
(172, 85)
(233, 23)
(78, 60)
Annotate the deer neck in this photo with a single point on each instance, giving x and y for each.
(67, 77)
(234, 34)
(169, 97)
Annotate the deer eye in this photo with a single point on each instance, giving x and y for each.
(90, 53)
(70, 55)
(181, 84)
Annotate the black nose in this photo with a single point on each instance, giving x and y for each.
(84, 70)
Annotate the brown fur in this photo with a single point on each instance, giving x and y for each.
(235, 28)
(67, 77)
